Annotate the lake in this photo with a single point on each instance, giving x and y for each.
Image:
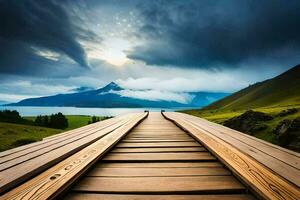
(34, 110)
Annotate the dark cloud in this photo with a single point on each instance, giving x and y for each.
(82, 89)
(28, 25)
(211, 33)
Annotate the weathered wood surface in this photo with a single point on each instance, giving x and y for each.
(188, 184)
(76, 141)
(272, 172)
(157, 156)
(159, 144)
(158, 164)
(158, 149)
(72, 165)
(91, 196)
(99, 125)
(148, 167)
(157, 160)
(157, 172)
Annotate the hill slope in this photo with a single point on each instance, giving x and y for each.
(111, 96)
(282, 90)
(278, 98)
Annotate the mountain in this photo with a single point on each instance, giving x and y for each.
(110, 97)
(281, 90)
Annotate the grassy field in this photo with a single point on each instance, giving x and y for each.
(14, 135)
(267, 134)
(75, 121)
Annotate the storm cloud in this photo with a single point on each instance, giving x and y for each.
(29, 28)
(169, 46)
(205, 34)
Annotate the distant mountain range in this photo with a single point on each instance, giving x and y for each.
(281, 90)
(110, 97)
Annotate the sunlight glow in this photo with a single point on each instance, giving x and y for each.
(114, 54)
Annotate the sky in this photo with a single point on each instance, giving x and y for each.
(154, 49)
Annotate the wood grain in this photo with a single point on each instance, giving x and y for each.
(156, 140)
(160, 165)
(170, 168)
(201, 184)
(157, 149)
(54, 180)
(50, 147)
(261, 179)
(82, 130)
(178, 156)
(143, 172)
(20, 170)
(80, 196)
(160, 144)
(282, 161)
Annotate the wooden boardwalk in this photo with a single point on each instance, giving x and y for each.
(150, 156)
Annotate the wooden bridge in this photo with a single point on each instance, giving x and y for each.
(150, 156)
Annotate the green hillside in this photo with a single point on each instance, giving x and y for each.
(275, 97)
(283, 90)
(14, 135)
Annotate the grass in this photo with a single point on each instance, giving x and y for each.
(14, 135)
(75, 121)
(219, 116)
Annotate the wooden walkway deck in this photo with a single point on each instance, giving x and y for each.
(146, 156)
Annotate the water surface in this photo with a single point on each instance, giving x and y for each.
(34, 110)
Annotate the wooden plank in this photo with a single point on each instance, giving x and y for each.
(59, 149)
(199, 184)
(157, 172)
(103, 123)
(285, 155)
(196, 156)
(94, 196)
(161, 130)
(15, 172)
(284, 163)
(158, 132)
(161, 144)
(160, 138)
(87, 196)
(170, 149)
(156, 128)
(262, 180)
(150, 137)
(84, 129)
(23, 150)
(159, 164)
(57, 178)
(277, 151)
(163, 137)
(141, 135)
(156, 140)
